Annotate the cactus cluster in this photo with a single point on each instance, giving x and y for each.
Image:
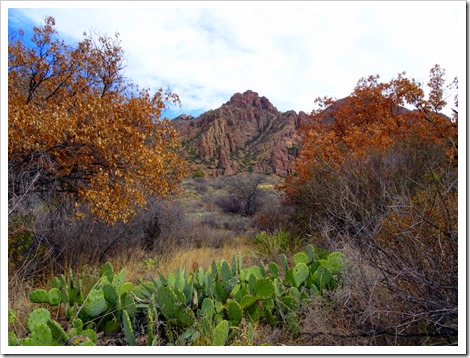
(204, 307)
(44, 331)
(107, 306)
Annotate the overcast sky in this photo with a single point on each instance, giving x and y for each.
(290, 52)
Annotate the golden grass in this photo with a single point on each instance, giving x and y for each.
(202, 257)
(140, 264)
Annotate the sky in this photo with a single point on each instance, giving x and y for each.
(290, 52)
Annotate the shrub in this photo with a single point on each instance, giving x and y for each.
(398, 209)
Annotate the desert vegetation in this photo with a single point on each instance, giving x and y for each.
(112, 240)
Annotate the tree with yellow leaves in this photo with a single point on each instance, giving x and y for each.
(77, 126)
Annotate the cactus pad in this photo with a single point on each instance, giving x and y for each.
(300, 273)
(264, 289)
(95, 303)
(301, 257)
(274, 269)
(38, 316)
(207, 308)
(128, 331)
(221, 333)
(41, 335)
(107, 271)
(57, 331)
(39, 296)
(54, 296)
(234, 312)
(335, 262)
(185, 316)
(166, 301)
(225, 271)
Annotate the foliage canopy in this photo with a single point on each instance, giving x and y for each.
(78, 126)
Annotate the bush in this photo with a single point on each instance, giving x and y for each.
(398, 210)
(244, 194)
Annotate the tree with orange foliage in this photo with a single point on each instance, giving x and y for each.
(375, 115)
(77, 126)
(377, 173)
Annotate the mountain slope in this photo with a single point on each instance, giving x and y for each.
(245, 134)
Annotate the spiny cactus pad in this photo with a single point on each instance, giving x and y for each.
(166, 301)
(225, 271)
(264, 288)
(57, 331)
(300, 257)
(128, 330)
(110, 294)
(335, 262)
(41, 335)
(234, 312)
(207, 308)
(185, 316)
(39, 296)
(300, 273)
(324, 277)
(108, 271)
(54, 297)
(221, 333)
(274, 269)
(310, 253)
(95, 303)
(38, 316)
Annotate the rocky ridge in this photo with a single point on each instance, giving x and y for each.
(246, 134)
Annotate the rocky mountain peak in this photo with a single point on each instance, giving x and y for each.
(247, 133)
(250, 99)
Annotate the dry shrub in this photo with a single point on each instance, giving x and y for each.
(398, 212)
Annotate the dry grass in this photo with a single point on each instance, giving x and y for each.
(140, 264)
(202, 257)
(18, 301)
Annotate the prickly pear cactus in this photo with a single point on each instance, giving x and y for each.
(262, 269)
(264, 289)
(128, 330)
(54, 297)
(293, 323)
(234, 312)
(274, 269)
(108, 271)
(300, 257)
(310, 253)
(335, 262)
(57, 331)
(129, 304)
(284, 265)
(55, 283)
(41, 335)
(323, 278)
(39, 296)
(184, 316)
(221, 333)
(225, 271)
(166, 301)
(207, 308)
(110, 294)
(300, 273)
(117, 280)
(95, 303)
(38, 316)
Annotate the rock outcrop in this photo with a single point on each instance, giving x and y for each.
(245, 134)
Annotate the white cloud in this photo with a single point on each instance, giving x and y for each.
(289, 52)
